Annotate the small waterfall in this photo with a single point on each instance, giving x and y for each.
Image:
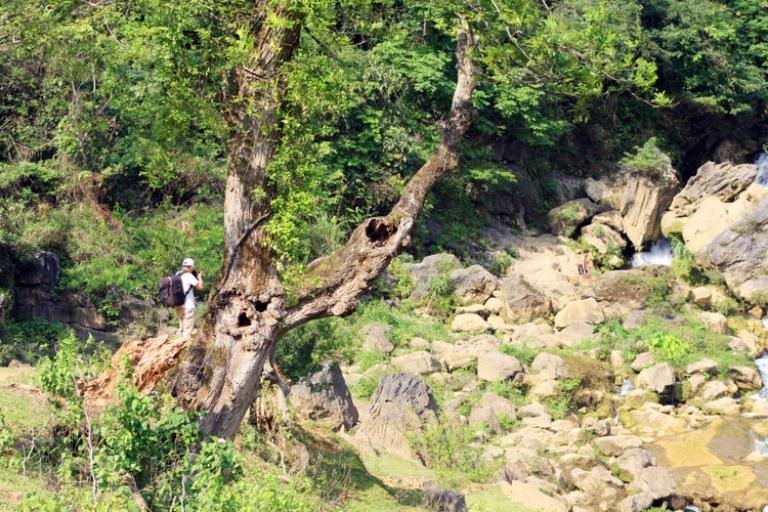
(660, 253)
(626, 387)
(761, 446)
(762, 169)
(762, 366)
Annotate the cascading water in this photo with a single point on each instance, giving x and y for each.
(762, 169)
(660, 253)
(626, 387)
(762, 366)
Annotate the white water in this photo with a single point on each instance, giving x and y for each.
(660, 253)
(626, 387)
(762, 366)
(762, 169)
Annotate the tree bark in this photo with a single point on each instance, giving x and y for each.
(221, 369)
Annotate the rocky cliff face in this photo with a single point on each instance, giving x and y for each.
(722, 216)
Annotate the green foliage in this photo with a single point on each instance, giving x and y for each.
(648, 159)
(684, 265)
(523, 353)
(669, 347)
(679, 342)
(59, 374)
(29, 340)
(450, 449)
(563, 403)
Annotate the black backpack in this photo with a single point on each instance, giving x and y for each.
(172, 290)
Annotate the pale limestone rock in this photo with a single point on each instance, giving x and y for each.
(420, 362)
(581, 311)
(659, 378)
(496, 367)
(469, 322)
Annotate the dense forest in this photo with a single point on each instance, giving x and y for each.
(127, 125)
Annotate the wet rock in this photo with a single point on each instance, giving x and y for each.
(746, 378)
(469, 322)
(421, 362)
(401, 405)
(324, 397)
(473, 284)
(643, 204)
(580, 311)
(726, 406)
(566, 218)
(497, 367)
(659, 378)
(376, 338)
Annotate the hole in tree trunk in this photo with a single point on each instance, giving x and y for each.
(377, 230)
(260, 306)
(243, 320)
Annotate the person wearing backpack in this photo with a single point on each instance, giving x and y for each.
(178, 290)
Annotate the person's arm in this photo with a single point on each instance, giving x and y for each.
(199, 285)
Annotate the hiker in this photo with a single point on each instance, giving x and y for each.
(191, 279)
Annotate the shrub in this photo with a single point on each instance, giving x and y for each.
(452, 451)
(29, 340)
(648, 159)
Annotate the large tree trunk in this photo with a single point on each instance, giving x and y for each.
(220, 371)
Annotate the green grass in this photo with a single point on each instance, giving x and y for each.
(491, 499)
(678, 342)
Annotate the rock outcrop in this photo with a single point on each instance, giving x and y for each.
(638, 200)
(722, 217)
(401, 404)
(324, 397)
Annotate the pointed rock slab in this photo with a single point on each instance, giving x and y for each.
(324, 397)
(402, 404)
(151, 358)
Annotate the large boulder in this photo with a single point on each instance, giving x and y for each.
(443, 500)
(421, 362)
(548, 268)
(659, 378)
(401, 405)
(643, 204)
(639, 200)
(566, 218)
(578, 312)
(604, 239)
(465, 352)
(469, 322)
(497, 366)
(324, 397)
(722, 216)
(473, 284)
(521, 302)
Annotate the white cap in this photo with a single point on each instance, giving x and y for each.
(188, 262)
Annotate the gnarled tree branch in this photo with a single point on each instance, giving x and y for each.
(336, 282)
